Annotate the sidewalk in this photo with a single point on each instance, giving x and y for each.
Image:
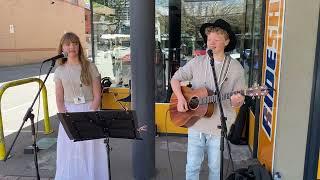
(21, 166)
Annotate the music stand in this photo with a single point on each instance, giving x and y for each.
(81, 126)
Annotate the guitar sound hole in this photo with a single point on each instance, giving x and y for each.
(194, 103)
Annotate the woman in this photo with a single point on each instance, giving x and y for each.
(77, 84)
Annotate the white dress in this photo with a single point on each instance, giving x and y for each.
(83, 159)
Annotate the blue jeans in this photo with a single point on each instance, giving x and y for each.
(197, 143)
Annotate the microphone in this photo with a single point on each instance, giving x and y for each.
(62, 55)
(210, 53)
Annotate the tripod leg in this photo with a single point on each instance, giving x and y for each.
(35, 148)
(221, 156)
(106, 141)
(230, 156)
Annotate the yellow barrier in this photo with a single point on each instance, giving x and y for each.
(251, 129)
(111, 95)
(47, 125)
(163, 120)
(318, 174)
(162, 116)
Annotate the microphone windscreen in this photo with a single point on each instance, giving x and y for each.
(65, 54)
(210, 53)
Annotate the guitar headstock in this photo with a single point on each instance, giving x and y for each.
(257, 91)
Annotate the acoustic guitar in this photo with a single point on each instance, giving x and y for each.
(201, 103)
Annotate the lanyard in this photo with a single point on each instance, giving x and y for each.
(223, 71)
(69, 76)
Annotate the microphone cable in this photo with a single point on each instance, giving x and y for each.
(38, 111)
(167, 142)
(230, 156)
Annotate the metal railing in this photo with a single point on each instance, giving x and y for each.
(47, 126)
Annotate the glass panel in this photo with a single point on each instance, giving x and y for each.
(258, 43)
(247, 40)
(245, 18)
(162, 52)
(253, 41)
(74, 2)
(111, 22)
(112, 40)
(253, 45)
(195, 13)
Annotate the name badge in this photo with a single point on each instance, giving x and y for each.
(79, 100)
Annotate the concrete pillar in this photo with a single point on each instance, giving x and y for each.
(142, 40)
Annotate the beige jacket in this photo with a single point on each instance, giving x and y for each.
(199, 72)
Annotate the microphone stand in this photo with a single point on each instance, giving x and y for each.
(223, 118)
(30, 115)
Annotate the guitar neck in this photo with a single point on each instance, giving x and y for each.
(214, 98)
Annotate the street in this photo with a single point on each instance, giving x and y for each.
(16, 100)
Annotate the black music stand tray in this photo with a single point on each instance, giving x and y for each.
(81, 126)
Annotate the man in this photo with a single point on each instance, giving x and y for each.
(205, 134)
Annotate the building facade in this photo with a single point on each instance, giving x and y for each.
(32, 29)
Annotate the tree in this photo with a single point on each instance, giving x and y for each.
(121, 8)
(194, 14)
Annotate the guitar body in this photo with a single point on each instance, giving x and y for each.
(201, 103)
(195, 112)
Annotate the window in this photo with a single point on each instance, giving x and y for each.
(74, 2)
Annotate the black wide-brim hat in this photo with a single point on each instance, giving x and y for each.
(223, 25)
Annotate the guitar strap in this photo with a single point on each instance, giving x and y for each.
(224, 70)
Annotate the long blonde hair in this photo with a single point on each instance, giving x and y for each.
(71, 37)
